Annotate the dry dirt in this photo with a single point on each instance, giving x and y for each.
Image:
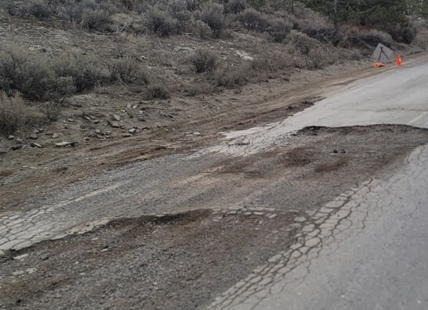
(31, 171)
(179, 124)
(184, 260)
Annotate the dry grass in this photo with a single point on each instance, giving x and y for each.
(13, 114)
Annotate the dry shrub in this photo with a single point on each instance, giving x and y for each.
(13, 115)
(129, 71)
(52, 111)
(89, 14)
(160, 22)
(86, 73)
(374, 37)
(274, 62)
(253, 20)
(97, 19)
(156, 92)
(421, 38)
(199, 88)
(279, 30)
(178, 10)
(31, 76)
(235, 6)
(204, 61)
(40, 10)
(201, 29)
(212, 15)
(324, 34)
(302, 42)
(317, 59)
(231, 77)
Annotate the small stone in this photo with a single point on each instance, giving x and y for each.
(16, 147)
(243, 142)
(196, 133)
(97, 121)
(127, 135)
(300, 219)
(3, 151)
(70, 120)
(19, 140)
(34, 144)
(66, 144)
(33, 136)
(2, 253)
(31, 270)
(86, 139)
(132, 130)
(18, 273)
(114, 124)
(130, 114)
(97, 131)
(271, 215)
(115, 117)
(21, 257)
(55, 136)
(11, 137)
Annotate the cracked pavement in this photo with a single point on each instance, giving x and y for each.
(289, 214)
(342, 256)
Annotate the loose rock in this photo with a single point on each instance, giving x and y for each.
(55, 136)
(33, 136)
(66, 144)
(16, 147)
(11, 137)
(114, 124)
(115, 117)
(34, 144)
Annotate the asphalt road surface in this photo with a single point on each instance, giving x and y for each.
(381, 261)
(365, 248)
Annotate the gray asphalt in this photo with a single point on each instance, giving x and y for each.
(379, 261)
(399, 96)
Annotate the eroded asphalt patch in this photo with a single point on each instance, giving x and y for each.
(266, 210)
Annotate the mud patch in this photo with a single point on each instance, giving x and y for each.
(177, 261)
(253, 208)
